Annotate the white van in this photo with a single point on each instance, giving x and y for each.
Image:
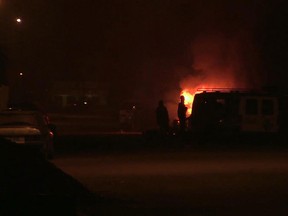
(235, 112)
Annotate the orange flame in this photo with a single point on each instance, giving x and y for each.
(189, 97)
(189, 92)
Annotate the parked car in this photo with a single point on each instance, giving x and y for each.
(27, 128)
(29, 106)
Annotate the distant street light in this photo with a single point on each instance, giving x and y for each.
(21, 74)
(19, 20)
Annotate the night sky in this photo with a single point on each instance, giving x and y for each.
(145, 48)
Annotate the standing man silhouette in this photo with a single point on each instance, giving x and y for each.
(182, 109)
(162, 117)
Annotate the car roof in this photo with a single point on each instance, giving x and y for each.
(18, 112)
(240, 93)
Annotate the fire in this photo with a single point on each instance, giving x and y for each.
(189, 97)
(190, 91)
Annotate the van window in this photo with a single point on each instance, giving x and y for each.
(251, 107)
(267, 107)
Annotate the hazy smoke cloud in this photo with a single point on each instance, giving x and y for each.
(220, 61)
(223, 47)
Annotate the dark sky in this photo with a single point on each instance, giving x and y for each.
(140, 47)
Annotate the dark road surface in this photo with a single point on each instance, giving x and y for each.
(178, 180)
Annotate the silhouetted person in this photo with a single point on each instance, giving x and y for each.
(182, 109)
(162, 117)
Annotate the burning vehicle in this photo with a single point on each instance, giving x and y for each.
(230, 113)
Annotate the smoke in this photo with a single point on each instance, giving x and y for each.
(221, 61)
(223, 48)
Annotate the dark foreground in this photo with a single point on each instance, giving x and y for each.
(129, 175)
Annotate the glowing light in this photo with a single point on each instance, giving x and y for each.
(189, 97)
(19, 20)
(21, 74)
(85, 103)
(192, 86)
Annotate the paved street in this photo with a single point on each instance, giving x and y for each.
(186, 181)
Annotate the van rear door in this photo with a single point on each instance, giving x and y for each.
(259, 114)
